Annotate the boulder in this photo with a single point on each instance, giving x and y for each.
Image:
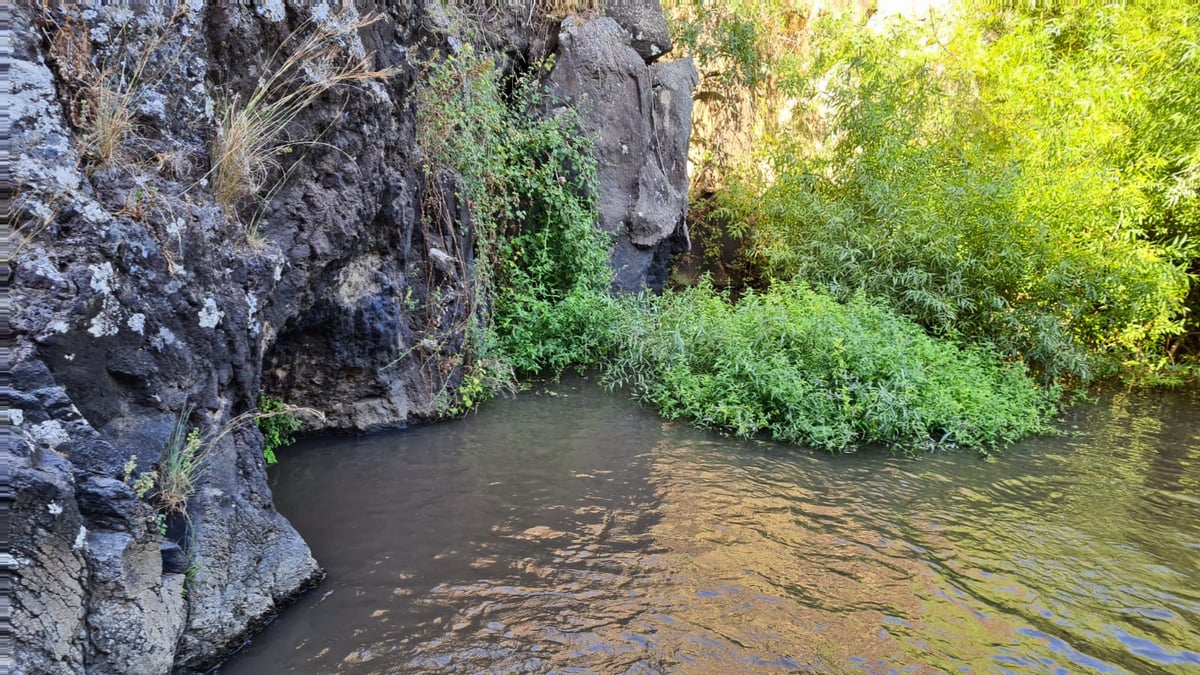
(640, 119)
(646, 25)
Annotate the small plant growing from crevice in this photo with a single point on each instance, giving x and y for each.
(170, 485)
(181, 466)
(250, 133)
(189, 578)
(144, 482)
(278, 424)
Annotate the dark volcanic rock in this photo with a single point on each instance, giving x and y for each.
(174, 560)
(640, 117)
(141, 304)
(646, 25)
(110, 504)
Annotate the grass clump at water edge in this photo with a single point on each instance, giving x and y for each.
(803, 368)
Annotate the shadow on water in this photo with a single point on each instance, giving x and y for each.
(580, 533)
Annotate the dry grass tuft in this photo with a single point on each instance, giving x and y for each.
(248, 136)
(561, 9)
(185, 458)
(181, 466)
(103, 96)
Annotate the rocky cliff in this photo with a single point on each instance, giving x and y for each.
(140, 304)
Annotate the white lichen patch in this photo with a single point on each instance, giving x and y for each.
(154, 105)
(165, 338)
(54, 508)
(137, 323)
(49, 433)
(40, 265)
(32, 103)
(102, 325)
(16, 417)
(66, 179)
(272, 10)
(108, 321)
(121, 16)
(175, 227)
(210, 316)
(99, 33)
(38, 208)
(103, 278)
(57, 326)
(251, 304)
(210, 106)
(80, 539)
(93, 212)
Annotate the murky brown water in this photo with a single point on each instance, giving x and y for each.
(579, 533)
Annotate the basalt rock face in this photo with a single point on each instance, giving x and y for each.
(640, 118)
(138, 299)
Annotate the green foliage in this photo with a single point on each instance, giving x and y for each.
(726, 38)
(181, 465)
(735, 46)
(189, 578)
(531, 184)
(791, 362)
(277, 425)
(974, 177)
(144, 482)
(806, 369)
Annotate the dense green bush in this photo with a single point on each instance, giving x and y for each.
(804, 368)
(530, 181)
(972, 175)
(793, 363)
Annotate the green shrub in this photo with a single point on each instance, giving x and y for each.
(971, 179)
(789, 362)
(530, 181)
(277, 423)
(803, 368)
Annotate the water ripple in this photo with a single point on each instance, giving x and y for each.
(582, 534)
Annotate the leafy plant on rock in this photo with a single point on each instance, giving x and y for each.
(278, 424)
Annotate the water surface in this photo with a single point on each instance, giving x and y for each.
(578, 532)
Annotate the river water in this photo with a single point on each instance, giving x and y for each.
(573, 531)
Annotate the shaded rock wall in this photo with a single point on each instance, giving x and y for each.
(640, 117)
(137, 298)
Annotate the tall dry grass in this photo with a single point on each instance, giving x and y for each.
(250, 133)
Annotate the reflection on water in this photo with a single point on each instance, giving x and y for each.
(579, 533)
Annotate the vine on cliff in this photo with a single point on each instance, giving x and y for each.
(529, 181)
